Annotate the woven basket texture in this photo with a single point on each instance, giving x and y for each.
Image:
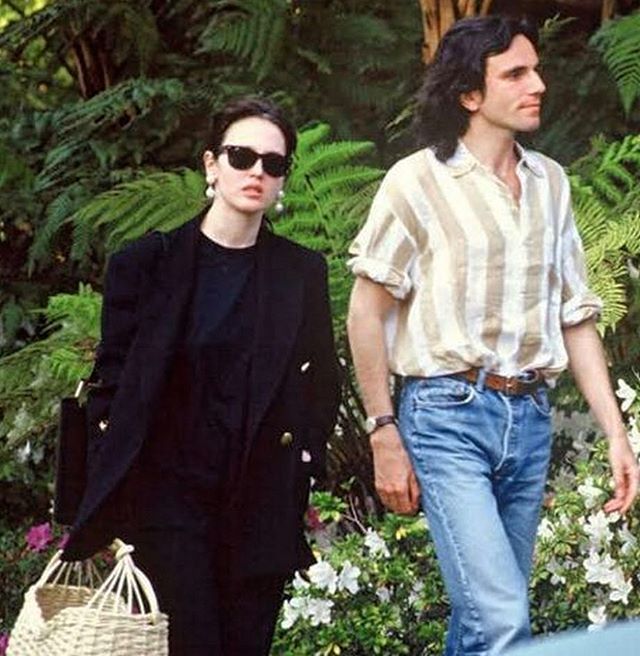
(58, 619)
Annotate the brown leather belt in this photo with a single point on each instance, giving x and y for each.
(510, 385)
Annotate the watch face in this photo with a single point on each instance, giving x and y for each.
(370, 424)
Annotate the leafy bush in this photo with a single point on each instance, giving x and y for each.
(374, 589)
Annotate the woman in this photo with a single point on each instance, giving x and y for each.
(214, 390)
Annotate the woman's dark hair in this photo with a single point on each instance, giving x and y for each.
(459, 67)
(246, 108)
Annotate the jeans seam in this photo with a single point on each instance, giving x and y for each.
(473, 611)
(507, 431)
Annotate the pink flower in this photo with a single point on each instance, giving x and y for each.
(39, 537)
(313, 521)
(4, 643)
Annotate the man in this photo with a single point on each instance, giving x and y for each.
(471, 285)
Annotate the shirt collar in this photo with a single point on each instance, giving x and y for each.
(463, 161)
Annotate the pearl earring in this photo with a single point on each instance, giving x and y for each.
(279, 206)
(210, 191)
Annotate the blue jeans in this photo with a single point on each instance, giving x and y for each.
(481, 459)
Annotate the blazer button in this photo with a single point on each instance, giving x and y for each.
(304, 366)
(103, 424)
(286, 438)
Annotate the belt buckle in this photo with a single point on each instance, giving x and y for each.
(511, 385)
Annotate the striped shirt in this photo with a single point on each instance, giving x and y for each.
(483, 280)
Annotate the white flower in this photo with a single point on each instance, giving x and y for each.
(384, 594)
(414, 595)
(628, 540)
(23, 453)
(597, 617)
(590, 493)
(299, 583)
(319, 611)
(348, 577)
(375, 544)
(323, 576)
(555, 569)
(545, 529)
(634, 437)
(620, 588)
(292, 610)
(597, 528)
(599, 570)
(626, 393)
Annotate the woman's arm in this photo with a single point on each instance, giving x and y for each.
(118, 327)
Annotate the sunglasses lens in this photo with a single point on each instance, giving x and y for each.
(241, 158)
(275, 165)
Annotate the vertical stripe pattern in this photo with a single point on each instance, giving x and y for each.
(481, 279)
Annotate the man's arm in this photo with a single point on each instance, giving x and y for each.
(394, 478)
(589, 369)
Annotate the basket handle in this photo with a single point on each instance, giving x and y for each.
(56, 571)
(126, 583)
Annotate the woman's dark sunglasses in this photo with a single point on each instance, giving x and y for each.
(243, 158)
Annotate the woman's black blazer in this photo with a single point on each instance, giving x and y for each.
(294, 388)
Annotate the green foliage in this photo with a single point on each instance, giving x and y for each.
(252, 30)
(375, 590)
(581, 99)
(157, 201)
(619, 42)
(33, 378)
(327, 198)
(607, 210)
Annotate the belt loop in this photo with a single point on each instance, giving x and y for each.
(482, 375)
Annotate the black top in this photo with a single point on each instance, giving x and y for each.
(204, 406)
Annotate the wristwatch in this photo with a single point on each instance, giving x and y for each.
(371, 424)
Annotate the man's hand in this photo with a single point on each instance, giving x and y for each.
(625, 474)
(395, 481)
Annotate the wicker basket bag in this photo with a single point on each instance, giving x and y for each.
(70, 611)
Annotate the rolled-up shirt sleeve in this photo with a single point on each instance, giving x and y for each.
(384, 250)
(579, 303)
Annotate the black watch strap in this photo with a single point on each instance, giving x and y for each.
(373, 423)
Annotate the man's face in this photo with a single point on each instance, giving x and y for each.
(513, 90)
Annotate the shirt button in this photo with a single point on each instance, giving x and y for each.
(103, 424)
(286, 438)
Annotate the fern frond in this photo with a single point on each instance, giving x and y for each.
(610, 170)
(326, 194)
(156, 201)
(619, 43)
(19, 33)
(252, 30)
(75, 124)
(58, 213)
(34, 376)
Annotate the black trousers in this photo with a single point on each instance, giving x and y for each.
(214, 609)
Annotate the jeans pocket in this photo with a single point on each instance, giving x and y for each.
(442, 392)
(540, 401)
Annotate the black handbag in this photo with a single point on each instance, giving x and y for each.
(71, 458)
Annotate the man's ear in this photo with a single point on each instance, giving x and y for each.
(471, 100)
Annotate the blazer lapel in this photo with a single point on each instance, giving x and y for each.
(278, 317)
(170, 295)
